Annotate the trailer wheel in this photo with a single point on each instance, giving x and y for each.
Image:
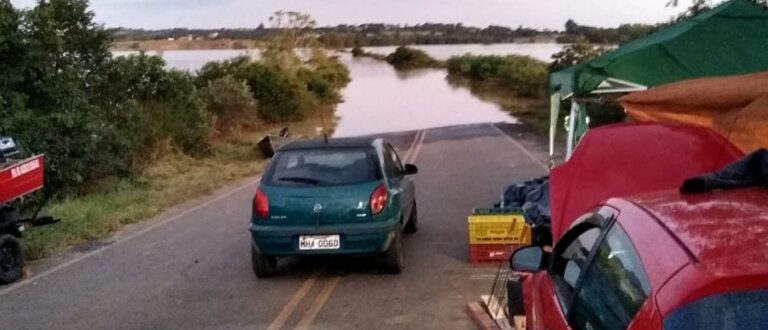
(11, 260)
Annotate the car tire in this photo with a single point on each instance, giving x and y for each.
(11, 260)
(413, 223)
(393, 257)
(263, 266)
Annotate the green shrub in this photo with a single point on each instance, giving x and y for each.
(177, 115)
(283, 93)
(152, 104)
(405, 58)
(605, 111)
(228, 99)
(239, 45)
(358, 51)
(523, 75)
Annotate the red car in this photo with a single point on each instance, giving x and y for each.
(658, 259)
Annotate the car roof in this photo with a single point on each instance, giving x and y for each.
(724, 234)
(717, 228)
(320, 143)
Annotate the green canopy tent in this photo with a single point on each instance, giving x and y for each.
(730, 39)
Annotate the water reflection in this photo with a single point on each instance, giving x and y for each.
(380, 99)
(540, 51)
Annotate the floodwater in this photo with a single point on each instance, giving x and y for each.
(380, 99)
(540, 51)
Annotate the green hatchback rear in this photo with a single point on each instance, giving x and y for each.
(343, 196)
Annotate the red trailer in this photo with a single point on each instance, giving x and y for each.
(18, 179)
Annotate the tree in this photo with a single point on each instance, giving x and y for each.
(574, 54)
(292, 30)
(13, 53)
(66, 56)
(700, 6)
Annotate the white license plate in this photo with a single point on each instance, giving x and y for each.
(317, 242)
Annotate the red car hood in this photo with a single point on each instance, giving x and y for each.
(626, 159)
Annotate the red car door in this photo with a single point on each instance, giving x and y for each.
(551, 292)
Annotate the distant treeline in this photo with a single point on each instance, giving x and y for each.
(379, 34)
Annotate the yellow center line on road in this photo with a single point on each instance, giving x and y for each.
(413, 143)
(318, 304)
(416, 148)
(291, 305)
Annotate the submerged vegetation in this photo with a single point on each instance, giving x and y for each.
(523, 76)
(406, 58)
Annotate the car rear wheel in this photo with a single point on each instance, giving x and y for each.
(263, 266)
(413, 223)
(11, 260)
(393, 257)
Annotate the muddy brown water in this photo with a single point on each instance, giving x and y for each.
(381, 99)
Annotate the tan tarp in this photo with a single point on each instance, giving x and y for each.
(734, 106)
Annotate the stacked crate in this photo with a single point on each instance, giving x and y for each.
(495, 233)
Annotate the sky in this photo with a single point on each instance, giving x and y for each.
(551, 14)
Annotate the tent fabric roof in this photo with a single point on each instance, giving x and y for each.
(729, 39)
(734, 106)
(623, 160)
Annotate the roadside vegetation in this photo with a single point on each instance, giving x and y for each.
(125, 137)
(518, 84)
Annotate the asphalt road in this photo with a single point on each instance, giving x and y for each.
(190, 268)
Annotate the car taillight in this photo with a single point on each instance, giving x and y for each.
(378, 199)
(261, 204)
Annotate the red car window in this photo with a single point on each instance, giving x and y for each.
(613, 288)
(570, 259)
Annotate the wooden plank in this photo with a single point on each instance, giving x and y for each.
(481, 318)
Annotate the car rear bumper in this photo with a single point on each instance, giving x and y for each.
(359, 239)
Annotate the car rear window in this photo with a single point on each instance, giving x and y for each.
(322, 167)
(735, 310)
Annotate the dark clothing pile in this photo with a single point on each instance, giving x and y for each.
(532, 197)
(750, 171)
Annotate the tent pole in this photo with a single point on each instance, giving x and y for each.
(554, 108)
(572, 128)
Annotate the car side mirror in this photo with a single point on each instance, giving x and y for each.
(411, 169)
(530, 259)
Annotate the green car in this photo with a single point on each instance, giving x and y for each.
(348, 196)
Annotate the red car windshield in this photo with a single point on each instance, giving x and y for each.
(738, 311)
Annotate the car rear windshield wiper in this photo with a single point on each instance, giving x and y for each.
(301, 179)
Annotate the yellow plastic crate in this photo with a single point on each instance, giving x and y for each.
(504, 228)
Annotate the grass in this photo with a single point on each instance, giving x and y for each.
(168, 181)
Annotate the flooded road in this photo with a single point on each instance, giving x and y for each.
(380, 99)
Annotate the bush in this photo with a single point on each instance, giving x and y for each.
(239, 45)
(153, 105)
(228, 99)
(605, 111)
(283, 93)
(574, 54)
(405, 58)
(524, 75)
(358, 51)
